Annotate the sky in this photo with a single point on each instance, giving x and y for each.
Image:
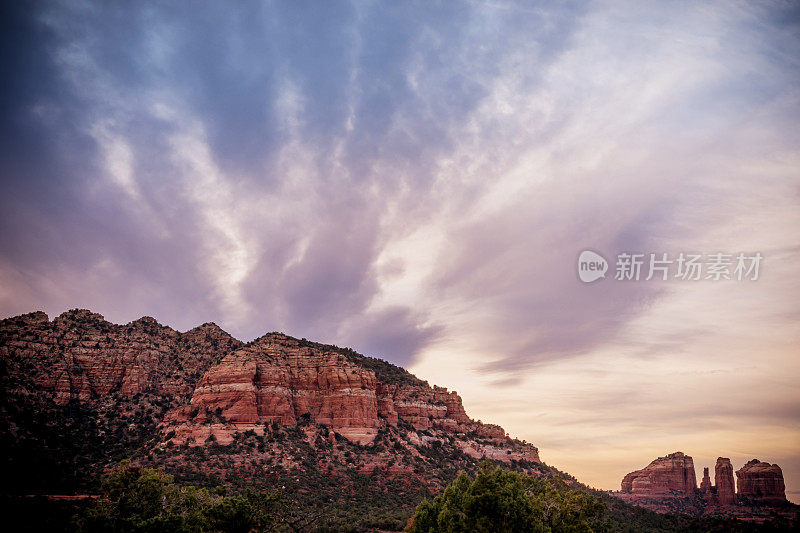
(416, 181)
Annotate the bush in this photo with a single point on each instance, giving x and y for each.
(501, 500)
(144, 500)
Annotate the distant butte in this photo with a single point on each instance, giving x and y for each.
(667, 484)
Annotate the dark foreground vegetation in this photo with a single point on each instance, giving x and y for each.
(495, 499)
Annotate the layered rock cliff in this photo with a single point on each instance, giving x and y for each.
(761, 481)
(79, 393)
(665, 476)
(279, 379)
(79, 356)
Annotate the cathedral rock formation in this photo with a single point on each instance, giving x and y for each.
(667, 485)
(761, 482)
(672, 475)
(723, 479)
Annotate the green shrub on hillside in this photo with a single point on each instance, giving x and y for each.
(501, 500)
(144, 500)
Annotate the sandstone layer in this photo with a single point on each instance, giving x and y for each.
(280, 379)
(79, 356)
(317, 423)
(215, 385)
(761, 482)
(665, 476)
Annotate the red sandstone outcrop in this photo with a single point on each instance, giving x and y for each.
(424, 407)
(659, 487)
(203, 387)
(761, 482)
(273, 382)
(723, 480)
(80, 356)
(705, 485)
(670, 475)
(280, 379)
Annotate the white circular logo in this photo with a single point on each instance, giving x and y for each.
(591, 266)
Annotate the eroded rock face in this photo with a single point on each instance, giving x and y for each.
(705, 485)
(80, 356)
(761, 481)
(204, 386)
(425, 407)
(670, 475)
(280, 379)
(723, 479)
(274, 381)
(761, 494)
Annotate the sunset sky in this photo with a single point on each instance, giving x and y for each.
(416, 181)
